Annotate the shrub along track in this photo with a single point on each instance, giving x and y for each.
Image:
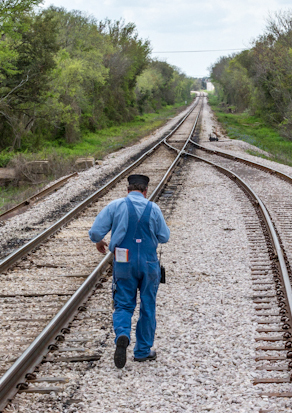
(18, 231)
(51, 270)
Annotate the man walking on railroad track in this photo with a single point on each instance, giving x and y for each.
(137, 227)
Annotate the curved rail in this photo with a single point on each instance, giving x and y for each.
(270, 227)
(33, 355)
(244, 160)
(36, 241)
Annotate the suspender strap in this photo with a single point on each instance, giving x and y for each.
(134, 223)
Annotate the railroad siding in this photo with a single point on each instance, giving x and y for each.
(205, 316)
(204, 313)
(206, 326)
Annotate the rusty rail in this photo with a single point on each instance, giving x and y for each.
(280, 174)
(24, 205)
(39, 348)
(269, 225)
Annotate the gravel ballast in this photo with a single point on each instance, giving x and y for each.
(205, 337)
(205, 332)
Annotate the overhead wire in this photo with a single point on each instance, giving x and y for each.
(198, 51)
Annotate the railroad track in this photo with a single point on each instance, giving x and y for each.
(24, 205)
(18, 232)
(49, 271)
(90, 326)
(270, 238)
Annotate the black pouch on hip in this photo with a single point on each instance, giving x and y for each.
(162, 278)
(162, 269)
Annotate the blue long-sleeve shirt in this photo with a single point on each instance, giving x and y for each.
(115, 217)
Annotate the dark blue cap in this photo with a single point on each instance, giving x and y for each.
(138, 179)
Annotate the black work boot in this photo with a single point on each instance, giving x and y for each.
(151, 356)
(120, 356)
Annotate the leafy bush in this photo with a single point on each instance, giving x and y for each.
(64, 75)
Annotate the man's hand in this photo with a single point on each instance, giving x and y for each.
(100, 246)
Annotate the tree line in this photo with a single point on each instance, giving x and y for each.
(63, 73)
(259, 80)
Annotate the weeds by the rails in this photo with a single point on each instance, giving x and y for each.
(253, 130)
(11, 195)
(105, 141)
(62, 156)
(100, 143)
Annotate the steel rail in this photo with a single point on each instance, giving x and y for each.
(269, 225)
(38, 239)
(189, 139)
(244, 160)
(34, 354)
(10, 212)
(181, 152)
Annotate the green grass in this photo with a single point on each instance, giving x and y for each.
(253, 130)
(102, 142)
(11, 195)
(6, 194)
(97, 144)
(109, 140)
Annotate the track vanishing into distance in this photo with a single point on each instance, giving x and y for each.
(49, 295)
(271, 258)
(53, 267)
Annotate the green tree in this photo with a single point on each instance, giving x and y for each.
(73, 99)
(11, 24)
(162, 84)
(260, 79)
(20, 91)
(63, 73)
(130, 56)
(273, 68)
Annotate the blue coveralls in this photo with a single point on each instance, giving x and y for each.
(141, 272)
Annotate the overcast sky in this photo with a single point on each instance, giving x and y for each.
(180, 25)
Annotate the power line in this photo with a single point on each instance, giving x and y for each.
(198, 51)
